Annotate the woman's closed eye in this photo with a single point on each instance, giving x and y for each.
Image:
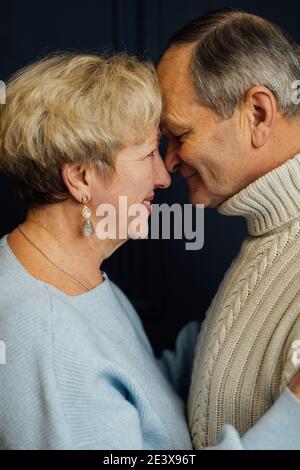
(152, 154)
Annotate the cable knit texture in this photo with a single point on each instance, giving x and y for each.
(247, 348)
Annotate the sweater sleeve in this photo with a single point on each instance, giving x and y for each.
(93, 389)
(291, 355)
(177, 365)
(278, 429)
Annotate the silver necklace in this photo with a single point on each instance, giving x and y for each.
(52, 262)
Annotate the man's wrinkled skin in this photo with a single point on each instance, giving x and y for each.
(220, 156)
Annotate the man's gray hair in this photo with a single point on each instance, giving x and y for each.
(235, 51)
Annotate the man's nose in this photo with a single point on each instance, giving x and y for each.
(172, 160)
(162, 176)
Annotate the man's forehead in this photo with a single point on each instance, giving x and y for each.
(177, 111)
(174, 65)
(177, 108)
(175, 77)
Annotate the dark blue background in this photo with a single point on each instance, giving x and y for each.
(168, 285)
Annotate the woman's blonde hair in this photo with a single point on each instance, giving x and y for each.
(76, 108)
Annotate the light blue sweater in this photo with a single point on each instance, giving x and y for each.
(80, 373)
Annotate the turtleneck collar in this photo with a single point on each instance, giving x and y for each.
(269, 202)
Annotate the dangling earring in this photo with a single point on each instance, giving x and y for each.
(88, 228)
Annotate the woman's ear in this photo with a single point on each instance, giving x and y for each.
(77, 179)
(262, 107)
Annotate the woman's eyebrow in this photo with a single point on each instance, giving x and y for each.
(157, 138)
(154, 143)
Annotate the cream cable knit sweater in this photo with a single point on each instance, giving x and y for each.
(247, 349)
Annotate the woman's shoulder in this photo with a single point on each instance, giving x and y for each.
(23, 295)
(20, 294)
(42, 332)
(27, 307)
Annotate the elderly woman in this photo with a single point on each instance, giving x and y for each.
(78, 131)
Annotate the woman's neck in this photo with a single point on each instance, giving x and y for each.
(56, 230)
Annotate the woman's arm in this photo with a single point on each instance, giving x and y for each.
(278, 429)
(177, 365)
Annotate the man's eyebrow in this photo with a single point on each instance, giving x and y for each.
(169, 123)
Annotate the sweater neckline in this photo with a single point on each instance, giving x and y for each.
(270, 202)
(84, 295)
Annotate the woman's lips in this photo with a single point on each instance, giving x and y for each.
(147, 202)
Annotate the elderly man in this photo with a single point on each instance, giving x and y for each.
(233, 128)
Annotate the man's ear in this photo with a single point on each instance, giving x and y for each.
(262, 108)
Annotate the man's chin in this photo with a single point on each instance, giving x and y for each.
(202, 197)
